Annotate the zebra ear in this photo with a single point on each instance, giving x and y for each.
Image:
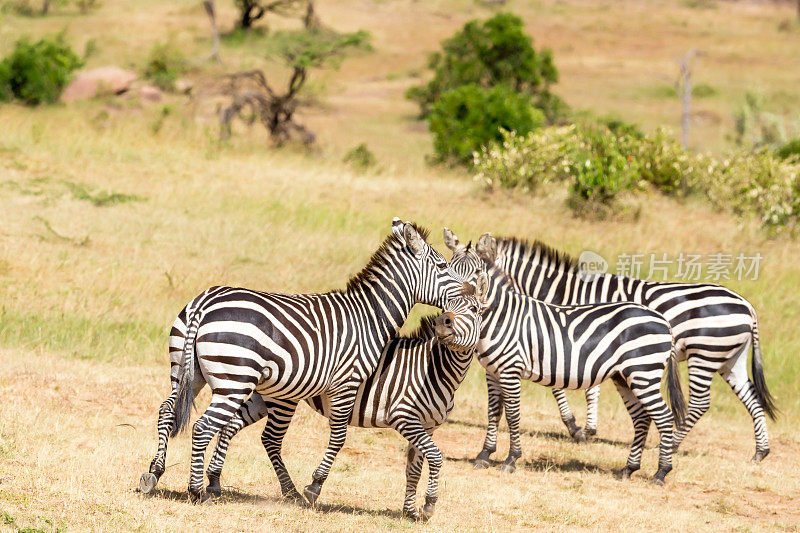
(450, 239)
(487, 247)
(397, 228)
(413, 239)
(482, 287)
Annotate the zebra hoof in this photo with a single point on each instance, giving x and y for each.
(311, 492)
(147, 483)
(760, 455)
(508, 468)
(214, 486)
(293, 496)
(590, 432)
(579, 436)
(480, 464)
(658, 482)
(196, 496)
(411, 514)
(427, 511)
(626, 472)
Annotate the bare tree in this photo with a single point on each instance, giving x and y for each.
(252, 10)
(300, 51)
(209, 5)
(684, 86)
(251, 92)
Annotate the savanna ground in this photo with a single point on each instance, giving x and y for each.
(113, 215)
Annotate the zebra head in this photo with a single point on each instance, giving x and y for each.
(459, 326)
(429, 276)
(466, 261)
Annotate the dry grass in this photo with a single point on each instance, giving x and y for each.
(89, 285)
(77, 434)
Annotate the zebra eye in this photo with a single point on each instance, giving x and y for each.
(473, 308)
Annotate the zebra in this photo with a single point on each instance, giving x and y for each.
(292, 347)
(411, 391)
(574, 347)
(714, 327)
(592, 394)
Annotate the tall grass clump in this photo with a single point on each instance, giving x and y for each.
(37, 72)
(165, 64)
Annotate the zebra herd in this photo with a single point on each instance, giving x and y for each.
(521, 309)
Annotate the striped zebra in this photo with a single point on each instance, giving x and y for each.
(592, 394)
(574, 347)
(714, 327)
(411, 391)
(293, 347)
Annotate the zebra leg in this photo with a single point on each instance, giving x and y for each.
(592, 397)
(166, 422)
(737, 378)
(511, 393)
(422, 441)
(253, 410)
(567, 417)
(413, 471)
(218, 414)
(495, 412)
(648, 391)
(641, 426)
(699, 397)
(280, 415)
(341, 411)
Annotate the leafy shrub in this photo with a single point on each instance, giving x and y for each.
(594, 161)
(37, 72)
(488, 53)
(757, 184)
(360, 157)
(789, 150)
(469, 117)
(598, 165)
(165, 64)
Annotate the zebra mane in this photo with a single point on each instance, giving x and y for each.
(549, 253)
(424, 330)
(381, 256)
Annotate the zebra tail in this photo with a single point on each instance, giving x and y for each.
(185, 399)
(677, 403)
(757, 369)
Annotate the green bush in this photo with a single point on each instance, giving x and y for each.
(488, 53)
(599, 164)
(789, 150)
(469, 117)
(757, 184)
(165, 63)
(361, 157)
(37, 72)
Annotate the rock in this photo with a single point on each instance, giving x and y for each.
(98, 81)
(151, 93)
(184, 86)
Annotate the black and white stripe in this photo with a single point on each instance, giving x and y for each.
(714, 327)
(411, 390)
(573, 347)
(292, 347)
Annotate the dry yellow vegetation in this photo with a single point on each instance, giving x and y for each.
(108, 225)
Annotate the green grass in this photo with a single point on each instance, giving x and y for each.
(84, 337)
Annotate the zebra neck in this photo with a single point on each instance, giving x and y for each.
(384, 303)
